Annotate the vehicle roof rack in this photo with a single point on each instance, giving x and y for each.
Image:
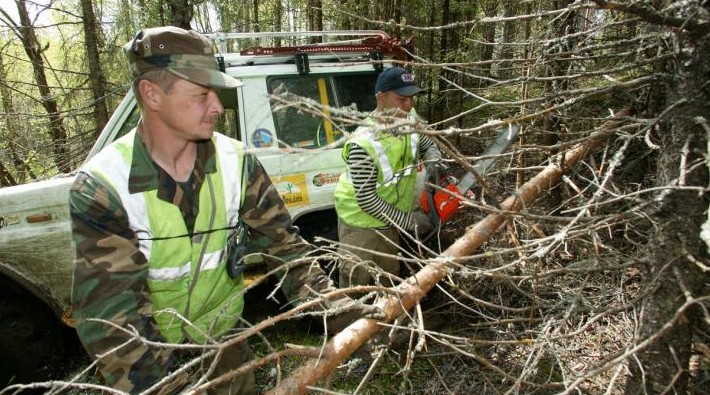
(251, 48)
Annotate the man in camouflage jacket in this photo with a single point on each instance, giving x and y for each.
(153, 215)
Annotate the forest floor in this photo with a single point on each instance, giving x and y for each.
(434, 370)
(399, 369)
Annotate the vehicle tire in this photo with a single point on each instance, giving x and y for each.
(32, 340)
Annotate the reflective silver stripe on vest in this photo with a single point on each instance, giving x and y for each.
(388, 176)
(209, 262)
(169, 273)
(111, 165)
(231, 183)
(385, 166)
(414, 143)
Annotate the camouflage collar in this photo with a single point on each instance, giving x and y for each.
(146, 174)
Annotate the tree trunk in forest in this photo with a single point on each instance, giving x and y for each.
(255, 12)
(527, 54)
(56, 124)
(13, 126)
(181, 13)
(553, 124)
(489, 37)
(344, 20)
(442, 99)
(6, 179)
(397, 16)
(508, 37)
(675, 247)
(449, 48)
(315, 18)
(444, 42)
(97, 79)
(318, 20)
(449, 51)
(431, 21)
(278, 24)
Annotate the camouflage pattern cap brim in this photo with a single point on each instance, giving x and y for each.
(209, 78)
(185, 53)
(199, 69)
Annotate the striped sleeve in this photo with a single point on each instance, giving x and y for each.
(363, 175)
(428, 149)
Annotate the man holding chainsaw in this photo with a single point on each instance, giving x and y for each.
(377, 197)
(161, 219)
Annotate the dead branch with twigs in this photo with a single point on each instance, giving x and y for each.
(578, 268)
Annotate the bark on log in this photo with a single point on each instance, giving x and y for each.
(410, 292)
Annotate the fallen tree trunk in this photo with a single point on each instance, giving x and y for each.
(410, 292)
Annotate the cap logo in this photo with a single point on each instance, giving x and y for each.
(398, 80)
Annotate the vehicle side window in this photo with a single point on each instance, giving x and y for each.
(298, 119)
(357, 92)
(229, 121)
(302, 124)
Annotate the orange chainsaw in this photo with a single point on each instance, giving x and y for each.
(447, 199)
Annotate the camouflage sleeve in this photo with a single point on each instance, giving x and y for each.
(110, 284)
(271, 232)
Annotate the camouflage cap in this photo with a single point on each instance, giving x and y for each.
(185, 53)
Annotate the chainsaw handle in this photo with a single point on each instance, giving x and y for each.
(445, 202)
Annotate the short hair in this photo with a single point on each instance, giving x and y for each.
(161, 77)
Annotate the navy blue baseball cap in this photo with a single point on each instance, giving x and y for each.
(398, 80)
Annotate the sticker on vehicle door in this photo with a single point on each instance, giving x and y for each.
(262, 138)
(323, 179)
(293, 189)
(9, 221)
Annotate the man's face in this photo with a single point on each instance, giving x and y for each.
(190, 110)
(392, 101)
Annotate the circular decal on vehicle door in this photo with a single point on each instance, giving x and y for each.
(262, 138)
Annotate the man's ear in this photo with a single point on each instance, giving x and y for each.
(150, 93)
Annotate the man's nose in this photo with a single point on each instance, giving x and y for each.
(216, 104)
